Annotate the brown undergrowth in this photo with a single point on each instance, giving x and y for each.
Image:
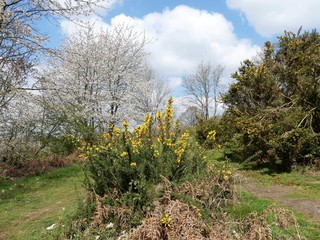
(256, 226)
(36, 166)
(192, 210)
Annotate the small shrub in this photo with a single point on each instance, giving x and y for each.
(206, 132)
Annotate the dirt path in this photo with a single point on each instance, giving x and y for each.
(281, 194)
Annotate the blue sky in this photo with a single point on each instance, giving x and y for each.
(186, 32)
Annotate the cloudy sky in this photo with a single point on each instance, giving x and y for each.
(185, 32)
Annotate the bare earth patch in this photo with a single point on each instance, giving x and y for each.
(281, 194)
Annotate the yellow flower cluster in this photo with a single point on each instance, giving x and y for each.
(166, 220)
(106, 136)
(144, 130)
(225, 173)
(182, 144)
(125, 124)
(165, 122)
(126, 144)
(156, 153)
(199, 213)
(117, 132)
(169, 112)
(124, 154)
(161, 127)
(87, 150)
(169, 141)
(136, 143)
(212, 135)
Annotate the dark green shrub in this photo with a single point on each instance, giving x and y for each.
(206, 131)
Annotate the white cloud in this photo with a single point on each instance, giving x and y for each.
(174, 82)
(270, 17)
(185, 36)
(108, 5)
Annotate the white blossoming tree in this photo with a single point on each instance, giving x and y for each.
(21, 45)
(95, 76)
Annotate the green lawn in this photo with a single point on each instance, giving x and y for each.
(29, 205)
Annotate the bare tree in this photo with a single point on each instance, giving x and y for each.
(216, 75)
(202, 87)
(190, 116)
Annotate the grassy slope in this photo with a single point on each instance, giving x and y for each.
(29, 205)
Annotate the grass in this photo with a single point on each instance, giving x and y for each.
(214, 155)
(306, 183)
(29, 205)
(248, 203)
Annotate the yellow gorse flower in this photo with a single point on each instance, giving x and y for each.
(166, 220)
(156, 153)
(123, 154)
(117, 132)
(212, 135)
(199, 213)
(125, 124)
(159, 116)
(136, 141)
(182, 145)
(169, 112)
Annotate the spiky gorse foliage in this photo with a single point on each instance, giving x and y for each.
(142, 171)
(273, 107)
(125, 160)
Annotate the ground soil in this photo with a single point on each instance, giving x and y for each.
(281, 195)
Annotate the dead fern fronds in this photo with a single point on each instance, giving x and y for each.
(211, 193)
(99, 216)
(256, 227)
(284, 218)
(185, 223)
